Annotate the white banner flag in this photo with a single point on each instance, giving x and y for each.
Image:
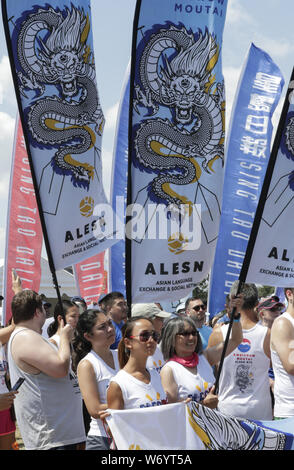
(195, 427)
(52, 60)
(270, 253)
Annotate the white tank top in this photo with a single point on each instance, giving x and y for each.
(137, 394)
(48, 410)
(244, 390)
(195, 386)
(284, 383)
(103, 374)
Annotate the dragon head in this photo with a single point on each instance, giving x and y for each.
(183, 92)
(62, 53)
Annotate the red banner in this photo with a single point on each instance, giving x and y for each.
(23, 233)
(91, 278)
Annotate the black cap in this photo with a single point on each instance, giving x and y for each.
(1, 297)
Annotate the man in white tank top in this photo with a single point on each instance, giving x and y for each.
(244, 388)
(282, 352)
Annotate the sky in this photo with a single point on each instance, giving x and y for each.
(266, 23)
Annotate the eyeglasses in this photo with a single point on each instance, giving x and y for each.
(146, 335)
(198, 307)
(105, 325)
(188, 333)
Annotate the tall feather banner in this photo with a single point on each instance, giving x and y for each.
(50, 48)
(247, 157)
(23, 229)
(176, 147)
(117, 278)
(269, 257)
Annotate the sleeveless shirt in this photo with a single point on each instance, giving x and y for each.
(138, 394)
(103, 374)
(194, 386)
(244, 390)
(48, 410)
(284, 383)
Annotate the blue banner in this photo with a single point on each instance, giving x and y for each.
(176, 146)
(247, 156)
(118, 195)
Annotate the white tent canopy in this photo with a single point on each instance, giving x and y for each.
(65, 280)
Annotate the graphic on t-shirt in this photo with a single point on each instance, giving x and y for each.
(245, 346)
(153, 401)
(244, 377)
(158, 366)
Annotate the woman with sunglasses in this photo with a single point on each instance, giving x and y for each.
(135, 386)
(188, 371)
(96, 365)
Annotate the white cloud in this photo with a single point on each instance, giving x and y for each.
(236, 13)
(111, 117)
(231, 76)
(7, 124)
(6, 83)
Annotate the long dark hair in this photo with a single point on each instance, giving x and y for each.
(66, 305)
(81, 345)
(127, 330)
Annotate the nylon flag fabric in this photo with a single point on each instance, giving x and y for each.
(272, 259)
(91, 278)
(247, 157)
(195, 427)
(176, 146)
(50, 47)
(117, 267)
(23, 229)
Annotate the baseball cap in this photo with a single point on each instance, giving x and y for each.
(181, 306)
(271, 302)
(148, 311)
(46, 303)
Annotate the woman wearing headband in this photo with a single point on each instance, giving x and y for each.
(135, 386)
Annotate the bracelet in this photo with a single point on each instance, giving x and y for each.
(237, 317)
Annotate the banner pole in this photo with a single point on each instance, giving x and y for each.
(128, 239)
(38, 199)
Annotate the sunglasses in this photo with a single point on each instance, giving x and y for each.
(198, 307)
(146, 335)
(188, 333)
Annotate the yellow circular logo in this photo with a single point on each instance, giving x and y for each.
(177, 243)
(87, 206)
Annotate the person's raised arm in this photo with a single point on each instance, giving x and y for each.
(282, 341)
(6, 332)
(214, 350)
(31, 350)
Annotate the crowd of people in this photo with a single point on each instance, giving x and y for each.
(113, 356)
